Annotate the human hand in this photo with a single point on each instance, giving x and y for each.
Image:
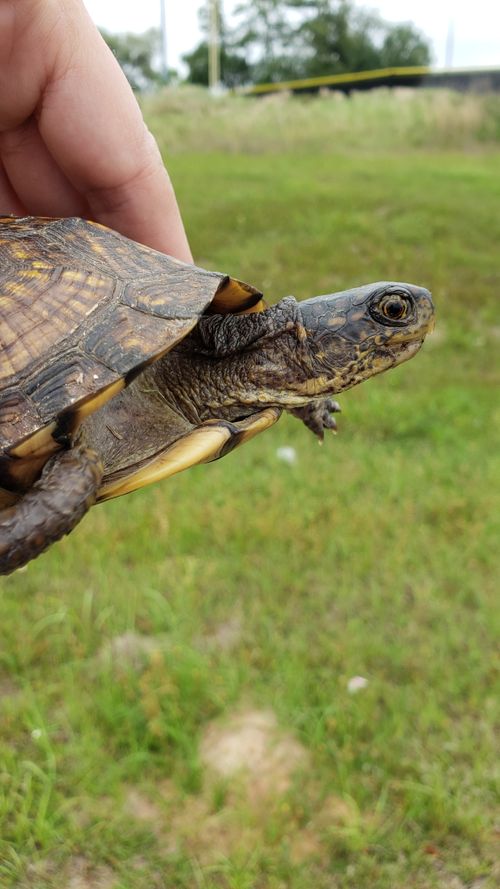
(72, 138)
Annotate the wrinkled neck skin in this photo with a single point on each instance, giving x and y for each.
(233, 365)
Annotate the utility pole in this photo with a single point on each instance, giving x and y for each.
(214, 83)
(163, 29)
(450, 44)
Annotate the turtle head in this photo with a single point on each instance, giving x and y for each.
(358, 333)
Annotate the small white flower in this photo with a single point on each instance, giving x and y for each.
(287, 454)
(356, 683)
(36, 734)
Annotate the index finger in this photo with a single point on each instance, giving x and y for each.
(93, 128)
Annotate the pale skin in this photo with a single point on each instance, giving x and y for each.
(72, 138)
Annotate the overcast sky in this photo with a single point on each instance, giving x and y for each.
(476, 25)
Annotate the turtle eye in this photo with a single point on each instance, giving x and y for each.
(392, 308)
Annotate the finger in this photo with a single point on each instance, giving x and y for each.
(34, 175)
(10, 205)
(144, 208)
(93, 128)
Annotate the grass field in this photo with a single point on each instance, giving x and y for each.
(218, 620)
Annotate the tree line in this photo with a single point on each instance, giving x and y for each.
(274, 40)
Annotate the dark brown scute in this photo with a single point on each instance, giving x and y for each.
(40, 308)
(176, 295)
(125, 339)
(81, 307)
(71, 377)
(92, 247)
(18, 417)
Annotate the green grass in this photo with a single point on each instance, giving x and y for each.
(267, 586)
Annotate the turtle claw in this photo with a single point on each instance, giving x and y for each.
(330, 422)
(317, 416)
(332, 406)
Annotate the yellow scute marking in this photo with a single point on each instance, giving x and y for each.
(20, 252)
(74, 274)
(232, 295)
(93, 404)
(39, 444)
(86, 278)
(258, 307)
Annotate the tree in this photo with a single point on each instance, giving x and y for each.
(404, 45)
(273, 40)
(264, 31)
(335, 36)
(139, 57)
(234, 68)
(338, 38)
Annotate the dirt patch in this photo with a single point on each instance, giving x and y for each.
(8, 689)
(251, 745)
(311, 840)
(130, 650)
(336, 812)
(81, 874)
(196, 830)
(249, 762)
(140, 807)
(224, 637)
(78, 873)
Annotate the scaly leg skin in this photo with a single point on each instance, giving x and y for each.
(317, 416)
(62, 495)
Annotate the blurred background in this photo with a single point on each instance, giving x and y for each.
(279, 670)
(456, 32)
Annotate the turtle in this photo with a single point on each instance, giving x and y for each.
(121, 366)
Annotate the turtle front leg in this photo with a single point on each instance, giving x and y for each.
(62, 495)
(317, 415)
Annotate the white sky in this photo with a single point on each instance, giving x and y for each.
(476, 25)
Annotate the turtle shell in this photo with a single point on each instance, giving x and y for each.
(82, 310)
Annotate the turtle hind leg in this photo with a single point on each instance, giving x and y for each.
(62, 495)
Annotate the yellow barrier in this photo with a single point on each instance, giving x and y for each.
(332, 79)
